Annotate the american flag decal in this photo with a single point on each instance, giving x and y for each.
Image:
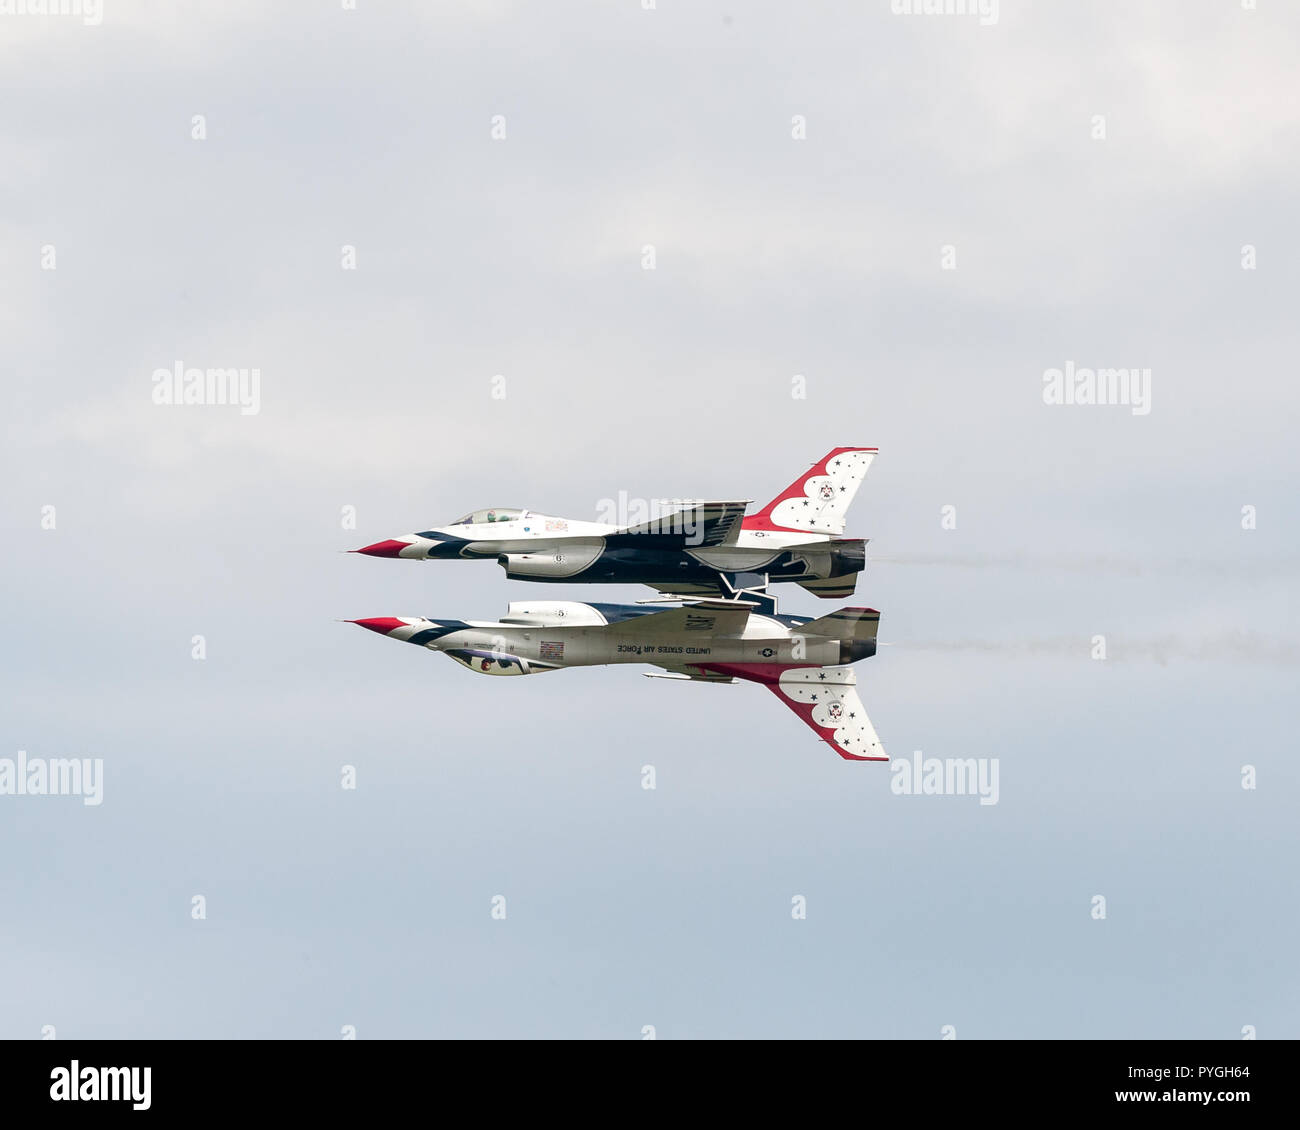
(698, 623)
(551, 649)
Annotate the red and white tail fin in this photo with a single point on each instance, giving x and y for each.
(826, 698)
(818, 501)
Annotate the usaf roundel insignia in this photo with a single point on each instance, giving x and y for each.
(767, 653)
(835, 710)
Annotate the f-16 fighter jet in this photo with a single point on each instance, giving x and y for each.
(704, 548)
(803, 661)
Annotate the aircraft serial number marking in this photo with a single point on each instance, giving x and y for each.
(665, 649)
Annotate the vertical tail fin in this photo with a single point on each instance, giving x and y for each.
(817, 501)
(826, 698)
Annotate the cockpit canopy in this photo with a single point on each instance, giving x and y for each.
(489, 516)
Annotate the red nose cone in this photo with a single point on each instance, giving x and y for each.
(388, 548)
(381, 624)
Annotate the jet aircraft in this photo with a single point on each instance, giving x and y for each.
(804, 661)
(704, 548)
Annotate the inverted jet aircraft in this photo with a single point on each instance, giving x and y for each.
(709, 548)
(803, 661)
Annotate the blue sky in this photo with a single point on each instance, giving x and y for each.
(523, 257)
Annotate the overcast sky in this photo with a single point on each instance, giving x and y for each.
(805, 173)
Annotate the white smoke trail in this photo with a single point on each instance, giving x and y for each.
(1100, 564)
(1234, 646)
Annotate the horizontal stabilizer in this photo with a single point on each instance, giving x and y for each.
(845, 624)
(832, 588)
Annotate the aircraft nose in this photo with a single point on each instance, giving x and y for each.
(381, 624)
(389, 548)
(414, 546)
